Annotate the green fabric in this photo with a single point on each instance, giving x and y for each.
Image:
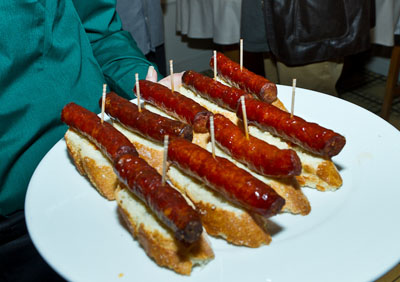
(53, 53)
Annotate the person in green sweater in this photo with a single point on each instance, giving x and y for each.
(51, 53)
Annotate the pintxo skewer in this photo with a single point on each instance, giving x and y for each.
(165, 163)
(171, 71)
(215, 65)
(293, 94)
(103, 102)
(241, 54)
(243, 105)
(138, 92)
(212, 136)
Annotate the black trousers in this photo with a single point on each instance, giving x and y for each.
(158, 57)
(19, 259)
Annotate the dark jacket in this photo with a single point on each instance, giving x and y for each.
(308, 31)
(300, 32)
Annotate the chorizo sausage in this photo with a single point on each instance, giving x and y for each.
(146, 123)
(167, 203)
(175, 104)
(310, 136)
(101, 134)
(258, 155)
(213, 90)
(244, 79)
(221, 175)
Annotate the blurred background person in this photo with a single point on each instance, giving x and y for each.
(144, 20)
(307, 39)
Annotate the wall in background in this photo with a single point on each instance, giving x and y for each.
(378, 65)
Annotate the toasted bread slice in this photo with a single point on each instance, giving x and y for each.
(157, 241)
(318, 172)
(288, 188)
(220, 217)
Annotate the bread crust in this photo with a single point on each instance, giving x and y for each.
(101, 176)
(290, 190)
(238, 229)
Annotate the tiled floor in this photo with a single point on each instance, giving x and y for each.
(368, 91)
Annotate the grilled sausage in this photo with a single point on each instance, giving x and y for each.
(244, 79)
(102, 134)
(213, 90)
(258, 155)
(175, 104)
(145, 123)
(221, 175)
(310, 136)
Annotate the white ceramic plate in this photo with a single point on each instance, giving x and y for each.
(350, 235)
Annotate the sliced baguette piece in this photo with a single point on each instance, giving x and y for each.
(158, 242)
(92, 163)
(220, 218)
(318, 172)
(295, 200)
(156, 239)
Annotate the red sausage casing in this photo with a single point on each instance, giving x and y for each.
(144, 122)
(213, 90)
(258, 155)
(175, 104)
(244, 79)
(310, 136)
(168, 204)
(221, 175)
(102, 134)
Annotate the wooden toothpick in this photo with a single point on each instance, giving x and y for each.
(164, 167)
(212, 136)
(215, 65)
(103, 102)
(246, 130)
(138, 92)
(241, 54)
(171, 70)
(293, 92)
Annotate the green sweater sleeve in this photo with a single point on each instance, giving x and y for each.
(114, 49)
